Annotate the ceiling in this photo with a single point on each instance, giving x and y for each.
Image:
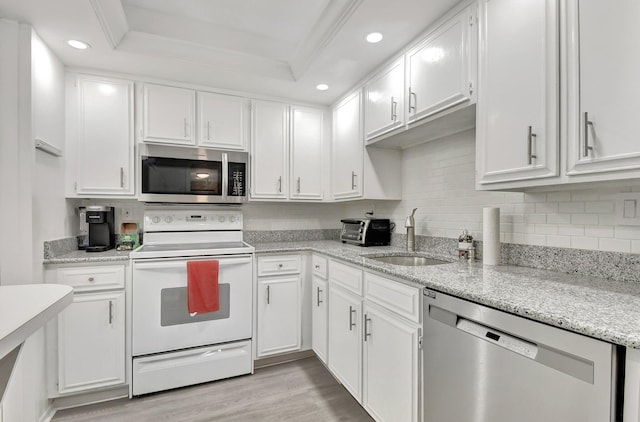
(280, 48)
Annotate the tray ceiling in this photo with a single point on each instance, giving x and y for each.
(279, 48)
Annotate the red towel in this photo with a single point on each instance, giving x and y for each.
(202, 286)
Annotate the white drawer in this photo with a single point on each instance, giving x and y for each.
(93, 277)
(191, 366)
(393, 295)
(279, 264)
(348, 277)
(320, 266)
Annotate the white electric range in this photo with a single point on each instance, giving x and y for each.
(170, 347)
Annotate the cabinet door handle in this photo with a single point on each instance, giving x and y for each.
(415, 100)
(280, 184)
(185, 127)
(208, 130)
(268, 294)
(351, 323)
(318, 296)
(366, 324)
(317, 267)
(587, 125)
(122, 177)
(298, 188)
(110, 312)
(353, 180)
(394, 108)
(530, 154)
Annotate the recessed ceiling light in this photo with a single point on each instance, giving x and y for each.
(374, 37)
(322, 87)
(80, 45)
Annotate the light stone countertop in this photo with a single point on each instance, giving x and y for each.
(80, 257)
(604, 309)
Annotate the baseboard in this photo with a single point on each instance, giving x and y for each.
(283, 358)
(83, 399)
(48, 414)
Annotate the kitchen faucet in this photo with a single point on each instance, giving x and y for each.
(410, 224)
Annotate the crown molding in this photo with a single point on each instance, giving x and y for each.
(335, 16)
(156, 45)
(112, 19)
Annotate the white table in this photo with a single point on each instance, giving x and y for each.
(24, 309)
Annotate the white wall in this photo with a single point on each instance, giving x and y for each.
(438, 179)
(31, 185)
(16, 156)
(51, 218)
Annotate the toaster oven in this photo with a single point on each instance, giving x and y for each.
(366, 231)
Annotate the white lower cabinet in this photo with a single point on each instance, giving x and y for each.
(319, 317)
(390, 362)
(279, 296)
(345, 338)
(87, 345)
(91, 342)
(374, 341)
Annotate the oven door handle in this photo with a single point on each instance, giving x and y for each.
(157, 265)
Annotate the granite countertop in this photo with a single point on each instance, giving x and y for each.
(604, 309)
(78, 257)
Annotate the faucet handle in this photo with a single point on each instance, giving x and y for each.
(410, 222)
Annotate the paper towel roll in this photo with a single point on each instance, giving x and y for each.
(491, 236)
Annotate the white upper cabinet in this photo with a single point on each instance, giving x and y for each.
(603, 65)
(439, 69)
(222, 121)
(384, 101)
(518, 99)
(356, 171)
(100, 141)
(306, 153)
(348, 149)
(269, 156)
(168, 114)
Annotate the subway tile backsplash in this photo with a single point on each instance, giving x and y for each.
(438, 179)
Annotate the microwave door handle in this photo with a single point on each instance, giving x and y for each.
(225, 175)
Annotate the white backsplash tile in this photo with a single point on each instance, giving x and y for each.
(438, 179)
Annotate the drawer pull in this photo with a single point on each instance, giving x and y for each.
(91, 279)
(317, 267)
(280, 265)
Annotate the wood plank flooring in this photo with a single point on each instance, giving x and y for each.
(302, 390)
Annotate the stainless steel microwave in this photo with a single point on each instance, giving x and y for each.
(192, 175)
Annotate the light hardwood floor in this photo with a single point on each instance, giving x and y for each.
(296, 391)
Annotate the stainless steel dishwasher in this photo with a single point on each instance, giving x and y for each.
(484, 365)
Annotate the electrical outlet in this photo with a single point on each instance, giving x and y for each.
(126, 214)
(628, 209)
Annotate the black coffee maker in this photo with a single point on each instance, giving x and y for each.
(101, 234)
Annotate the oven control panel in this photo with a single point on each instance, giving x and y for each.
(191, 220)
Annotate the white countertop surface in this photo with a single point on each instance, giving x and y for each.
(26, 308)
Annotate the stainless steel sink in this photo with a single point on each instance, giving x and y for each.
(408, 260)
